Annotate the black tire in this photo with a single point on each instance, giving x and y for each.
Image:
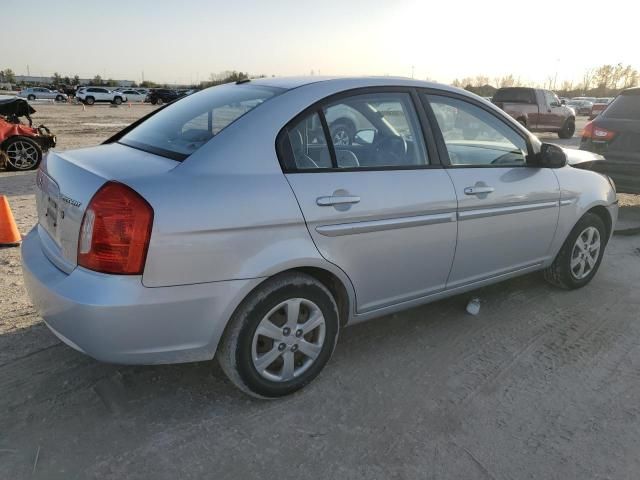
(159, 101)
(568, 129)
(235, 350)
(342, 132)
(16, 164)
(89, 100)
(117, 100)
(560, 273)
(31, 97)
(59, 98)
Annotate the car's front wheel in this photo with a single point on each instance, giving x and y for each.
(280, 337)
(568, 129)
(22, 153)
(59, 98)
(580, 255)
(89, 100)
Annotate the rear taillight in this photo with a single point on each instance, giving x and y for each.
(597, 133)
(115, 231)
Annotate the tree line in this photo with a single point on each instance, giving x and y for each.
(604, 81)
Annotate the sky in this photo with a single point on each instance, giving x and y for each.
(184, 42)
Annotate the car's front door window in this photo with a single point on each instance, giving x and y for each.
(474, 137)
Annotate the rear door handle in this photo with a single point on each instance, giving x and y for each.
(478, 190)
(337, 200)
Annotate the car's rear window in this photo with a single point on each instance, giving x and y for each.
(624, 106)
(515, 95)
(183, 127)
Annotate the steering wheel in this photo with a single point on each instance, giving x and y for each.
(392, 148)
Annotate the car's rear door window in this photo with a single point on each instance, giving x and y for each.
(183, 127)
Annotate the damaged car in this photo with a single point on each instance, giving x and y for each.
(21, 145)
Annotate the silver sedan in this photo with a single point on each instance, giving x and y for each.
(235, 224)
(41, 93)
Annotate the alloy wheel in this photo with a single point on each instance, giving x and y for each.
(22, 155)
(288, 340)
(585, 253)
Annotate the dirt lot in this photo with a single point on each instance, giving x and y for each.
(542, 384)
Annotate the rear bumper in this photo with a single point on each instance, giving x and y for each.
(116, 319)
(623, 168)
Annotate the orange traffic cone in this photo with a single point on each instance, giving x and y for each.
(9, 235)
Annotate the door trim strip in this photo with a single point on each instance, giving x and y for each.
(492, 212)
(382, 225)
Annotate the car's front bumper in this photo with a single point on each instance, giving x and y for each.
(114, 318)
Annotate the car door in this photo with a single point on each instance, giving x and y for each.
(507, 211)
(552, 113)
(380, 207)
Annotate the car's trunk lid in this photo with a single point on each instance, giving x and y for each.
(67, 181)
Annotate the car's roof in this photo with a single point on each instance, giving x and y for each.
(349, 82)
(631, 91)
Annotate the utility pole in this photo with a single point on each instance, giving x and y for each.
(28, 72)
(412, 70)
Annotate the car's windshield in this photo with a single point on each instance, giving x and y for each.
(183, 127)
(625, 107)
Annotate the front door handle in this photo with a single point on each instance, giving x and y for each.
(478, 190)
(337, 200)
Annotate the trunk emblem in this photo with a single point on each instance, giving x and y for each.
(70, 201)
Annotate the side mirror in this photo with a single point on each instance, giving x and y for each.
(550, 156)
(364, 137)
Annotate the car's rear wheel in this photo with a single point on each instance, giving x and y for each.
(59, 98)
(89, 100)
(117, 100)
(580, 255)
(568, 129)
(31, 97)
(280, 337)
(23, 153)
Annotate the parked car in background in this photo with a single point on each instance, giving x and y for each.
(158, 96)
(615, 133)
(581, 107)
(41, 93)
(231, 224)
(599, 106)
(91, 95)
(588, 99)
(134, 96)
(536, 109)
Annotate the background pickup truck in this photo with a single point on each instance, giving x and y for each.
(538, 110)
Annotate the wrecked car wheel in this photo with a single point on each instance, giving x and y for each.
(22, 153)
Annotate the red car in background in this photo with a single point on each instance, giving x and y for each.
(21, 146)
(598, 106)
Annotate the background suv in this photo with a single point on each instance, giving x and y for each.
(91, 95)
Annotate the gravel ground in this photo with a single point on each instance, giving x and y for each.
(541, 384)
